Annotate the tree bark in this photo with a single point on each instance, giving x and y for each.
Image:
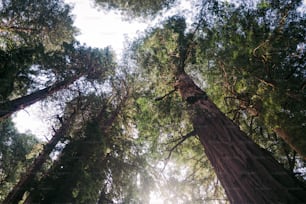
(248, 173)
(8, 108)
(23, 185)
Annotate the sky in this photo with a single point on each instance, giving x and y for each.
(101, 29)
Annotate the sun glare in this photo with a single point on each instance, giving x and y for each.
(155, 198)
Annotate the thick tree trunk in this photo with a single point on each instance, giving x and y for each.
(24, 183)
(8, 108)
(248, 173)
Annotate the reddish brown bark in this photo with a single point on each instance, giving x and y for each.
(248, 173)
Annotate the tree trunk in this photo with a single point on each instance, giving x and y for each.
(22, 186)
(8, 108)
(248, 173)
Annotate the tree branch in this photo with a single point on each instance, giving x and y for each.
(182, 139)
(162, 97)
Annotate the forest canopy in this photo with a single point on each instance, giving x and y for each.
(207, 106)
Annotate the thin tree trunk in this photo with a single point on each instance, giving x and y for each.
(248, 173)
(8, 108)
(22, 186)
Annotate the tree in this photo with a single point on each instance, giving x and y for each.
(78, 62)
(88, 165)
(15, 155)
(248, 173)
(16, 194)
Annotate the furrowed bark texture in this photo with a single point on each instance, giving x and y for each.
(248, 173)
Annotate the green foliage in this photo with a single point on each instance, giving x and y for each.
(30, 33)
(133, 8)
(186, 173)
(35, 22)
(15, 68)
(99, 161)
(59, 70)
(14, 151)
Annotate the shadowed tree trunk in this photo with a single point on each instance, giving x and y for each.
(24, 183)
(8, 108)
(248, 173)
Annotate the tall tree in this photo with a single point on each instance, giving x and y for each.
(16, 194)
(79, 62)
(99, 162)
(248, 173)
(16, 153)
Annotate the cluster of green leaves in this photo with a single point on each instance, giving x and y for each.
(35, 22)
(132, 8)
(17, 151)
